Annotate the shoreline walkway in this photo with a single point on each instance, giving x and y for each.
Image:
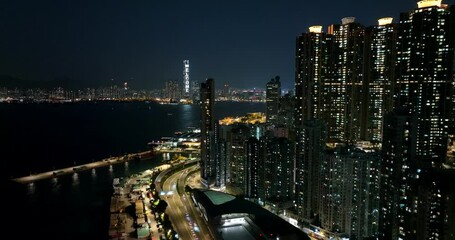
(79, 168)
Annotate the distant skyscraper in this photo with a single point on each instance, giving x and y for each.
(195, 94)
(424, 75)
(273, 94)
(172, 90)
(208, 164)
(186, 79)
(226, 92)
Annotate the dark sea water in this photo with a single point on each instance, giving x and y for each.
(41, 137)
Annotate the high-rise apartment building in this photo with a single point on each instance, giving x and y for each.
(312, 73)
(208, 164)
(344, 96)
(424, 74)
(308, 169)
(312, 86)
(273, 94)
(349, 79)
(380, 44)
(282, 162)
(221, 154)
(349, 199)
(251, 171)
(265, 168)
(433, 196)
(397, 169)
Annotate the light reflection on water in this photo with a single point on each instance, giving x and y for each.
(31, 188)
(127, 170)
(81, 205)
(111, 170)
(75, 179)
(187, 117)
(55, 185)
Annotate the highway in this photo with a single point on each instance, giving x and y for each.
(194, 213)
(185, 218)
(176, 209)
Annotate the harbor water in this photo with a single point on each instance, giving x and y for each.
(42, 137)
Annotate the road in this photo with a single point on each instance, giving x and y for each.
(176, 209)
(181, 209)
(194, 213)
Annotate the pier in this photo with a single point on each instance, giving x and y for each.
(82, 167)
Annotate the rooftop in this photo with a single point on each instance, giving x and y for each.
(218, 198)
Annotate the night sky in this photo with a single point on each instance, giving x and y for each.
(243, 43)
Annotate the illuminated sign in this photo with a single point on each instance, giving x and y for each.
(186, 77)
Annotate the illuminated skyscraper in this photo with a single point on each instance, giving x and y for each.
(208, 164)
(349, 197)
(359, 75)
(414, 199)
(425, 51)
(273, 94)
(345, 85)
(252, 161)
(312, 138)
(312, 70)
(398, 165)
(186, 79)
(434, 197)
(380, 43)
(237, 138)
(281, 154)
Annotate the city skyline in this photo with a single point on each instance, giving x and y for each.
(356, 142)
(244, 44)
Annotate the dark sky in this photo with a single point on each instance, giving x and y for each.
(244, 43)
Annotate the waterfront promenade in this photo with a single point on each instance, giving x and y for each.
(79, 168)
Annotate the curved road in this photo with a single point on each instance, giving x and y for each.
(181, 209)
(176, 210)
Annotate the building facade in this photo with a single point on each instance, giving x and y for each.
(273, 94)
(424, 75)
(208, 164)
